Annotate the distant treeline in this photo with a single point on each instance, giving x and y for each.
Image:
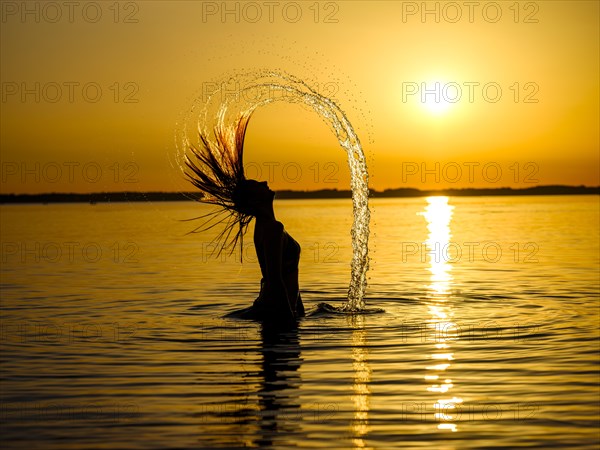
(107, 197)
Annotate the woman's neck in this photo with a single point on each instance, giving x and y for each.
(266, 214)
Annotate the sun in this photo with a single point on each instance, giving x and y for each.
(436, 97)
(436, 107)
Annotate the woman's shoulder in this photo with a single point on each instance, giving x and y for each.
(271, 228)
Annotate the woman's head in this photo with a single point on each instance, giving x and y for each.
(252, 197)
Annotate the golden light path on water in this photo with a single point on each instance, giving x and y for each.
(440, 327)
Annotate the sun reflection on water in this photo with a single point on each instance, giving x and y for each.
(441, 329)
(438, 214)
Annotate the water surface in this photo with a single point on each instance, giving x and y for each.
(112, 332)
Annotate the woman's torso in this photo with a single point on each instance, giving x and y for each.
(290, 257)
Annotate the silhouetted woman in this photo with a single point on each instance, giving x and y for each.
(216, 168)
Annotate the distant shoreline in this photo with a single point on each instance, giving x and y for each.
(108, 197)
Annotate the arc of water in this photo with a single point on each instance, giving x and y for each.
(265, 87)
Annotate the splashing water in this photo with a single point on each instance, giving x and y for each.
(242, 95)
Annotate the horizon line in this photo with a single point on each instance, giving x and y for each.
(331, 193)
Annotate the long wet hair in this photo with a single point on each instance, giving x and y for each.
(216, 169)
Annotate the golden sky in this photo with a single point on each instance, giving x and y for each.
(92, 93)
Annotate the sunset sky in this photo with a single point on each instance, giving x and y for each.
(92, 94)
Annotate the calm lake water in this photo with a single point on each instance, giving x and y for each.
(113, 336)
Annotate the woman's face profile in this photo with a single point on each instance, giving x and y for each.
(258, 191)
